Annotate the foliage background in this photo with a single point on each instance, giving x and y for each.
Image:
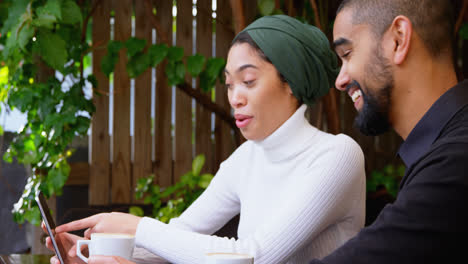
(43, 61)
(42, 64)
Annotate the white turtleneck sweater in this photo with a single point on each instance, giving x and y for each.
(300, 194)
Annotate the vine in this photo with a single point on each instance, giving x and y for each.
(182, 194)
(41, 75)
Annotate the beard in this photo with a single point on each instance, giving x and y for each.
(373, 119)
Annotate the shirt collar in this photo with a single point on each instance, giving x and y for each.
(428, 129)
(289, 139)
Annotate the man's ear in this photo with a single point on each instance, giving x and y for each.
(400, 33)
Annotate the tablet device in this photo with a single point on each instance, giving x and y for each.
(50, 225)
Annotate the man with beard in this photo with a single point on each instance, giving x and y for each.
(398, 69)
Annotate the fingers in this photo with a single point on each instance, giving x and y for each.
(88, 222)
(88, 232)
(49, 244)
(54, 260)
(44, 228)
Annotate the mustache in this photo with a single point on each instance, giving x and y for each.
(353, 84)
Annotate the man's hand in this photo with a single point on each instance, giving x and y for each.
(103, 223)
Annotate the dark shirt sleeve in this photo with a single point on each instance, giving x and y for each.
(427, 222)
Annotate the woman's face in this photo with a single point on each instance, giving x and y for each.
(261, 101)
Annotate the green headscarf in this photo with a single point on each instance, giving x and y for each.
(300, 52)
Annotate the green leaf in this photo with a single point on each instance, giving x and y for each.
(92, 79)
(82, 125)
(464, 31)
(87, 62)
(180, 72)
(157, 53)
(371, 186)
(113, 47)
(17, 8)
(52, 49)
(7, 157)
(108, 64)
(205, 180)
(51, 119)
(147, 200)
(266, 7)
(401, 171)
(197, 164)
(3, 80)
(213, 69)
(53, 7)
(71, 12)
(18, 217)
(25, 35)
(11, 51)
(29, 144)
(1, 131)
(44, 18)
(137, 65)
(175, 72)
(389, 170)
(195, 64)
(136, 210)
(111, 58)
(33, 215)
(134, 45)
(175, 54)
(280, 12)
(206, 82)
(57, 176)
(215, 66)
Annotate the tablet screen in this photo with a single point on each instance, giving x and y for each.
(50, 225)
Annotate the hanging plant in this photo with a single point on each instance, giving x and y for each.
(42, 75)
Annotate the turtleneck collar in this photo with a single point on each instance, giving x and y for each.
(290, 138)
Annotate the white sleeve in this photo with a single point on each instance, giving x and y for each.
(217, 205)
(311, 204)
(143, 256)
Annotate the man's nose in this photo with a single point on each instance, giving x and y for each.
(342, 80)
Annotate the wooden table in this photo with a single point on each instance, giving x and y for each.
(25, 259)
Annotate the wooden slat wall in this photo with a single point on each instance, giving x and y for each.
(142, 166)
(224, 35)
(163, 138)
(114, 182)
(121, 177)
(100, 142)
(203, 141)
(183, 122)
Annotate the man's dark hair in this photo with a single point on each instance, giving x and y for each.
(433, 20)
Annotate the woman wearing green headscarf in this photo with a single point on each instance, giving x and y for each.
(300, 191)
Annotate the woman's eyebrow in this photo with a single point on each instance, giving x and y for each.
(241, 68)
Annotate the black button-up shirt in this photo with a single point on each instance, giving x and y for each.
(428, 222)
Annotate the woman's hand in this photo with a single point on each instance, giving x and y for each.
(103, 223)
(68, 243)
(108, 260)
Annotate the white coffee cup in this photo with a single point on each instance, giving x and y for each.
(107, 244)
(228, 258)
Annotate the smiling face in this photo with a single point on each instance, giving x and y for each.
(261, 101)
(366, 75)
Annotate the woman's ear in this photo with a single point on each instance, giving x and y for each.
(288, 88)
(400, 34)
